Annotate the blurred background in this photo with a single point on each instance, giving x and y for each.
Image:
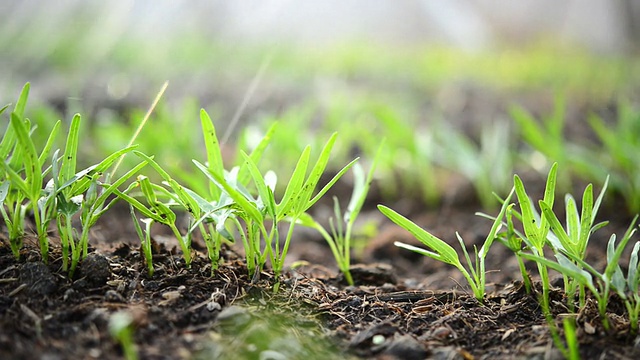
(123, 50)
(389, 66)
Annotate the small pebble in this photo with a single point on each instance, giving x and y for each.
(113, 296)
(406, 347)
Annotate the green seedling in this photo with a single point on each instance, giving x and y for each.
(208, 213)
(627, 288)
(536, 232)
(145, 238)
(612, 279)
(474, 273)
(536, 228)
(65, 194)
(575, 238)
(571, 337)
(512, 239)
(256, 212)
(251, 211)
(69, 193)
(95, 200)
(23, 169)
(158, 211)
(342, 226)
(177, 196)
(215, 208)
(121, 329)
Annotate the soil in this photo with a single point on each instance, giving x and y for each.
(403, 306)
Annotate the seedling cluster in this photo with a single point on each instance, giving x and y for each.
(23, 189)
(243, 202)
(225, 205)
(543, 230)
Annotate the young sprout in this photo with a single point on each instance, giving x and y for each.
(158, 211)
(627, 288)
(575, 238)
(475, 272)
(24, 169)
(536, 228)
(342, 225)
(70, 192)
(121, 329)
(256, 213)
(612, 279)
(145, 238)
(571, 337)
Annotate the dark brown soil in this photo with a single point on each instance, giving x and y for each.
(403, 307)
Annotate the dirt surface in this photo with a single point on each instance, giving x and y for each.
(404, 306)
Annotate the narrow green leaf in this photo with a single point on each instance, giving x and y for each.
(549, 193)
(138, 205)
(33, 171)
(586, 218)
(616, 277)
(263, 191)
(442, 251)
(4, 191)
(419, 250)
(294, 185)
(75, 179)
(247, 206)
(528, 220)
(361, 187)
(316, 172)
(467, 258)
(558, 230)
(596, 204)
(51, 139)
(69, 159)
(8, 142)
(612, 261)
(565, 267)
(331, 182)
(358, 194)
(212, 145)
(497, 224)
(22, 101)
(163, 211)
(82, 180)
(632, 274)
(572, 218)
